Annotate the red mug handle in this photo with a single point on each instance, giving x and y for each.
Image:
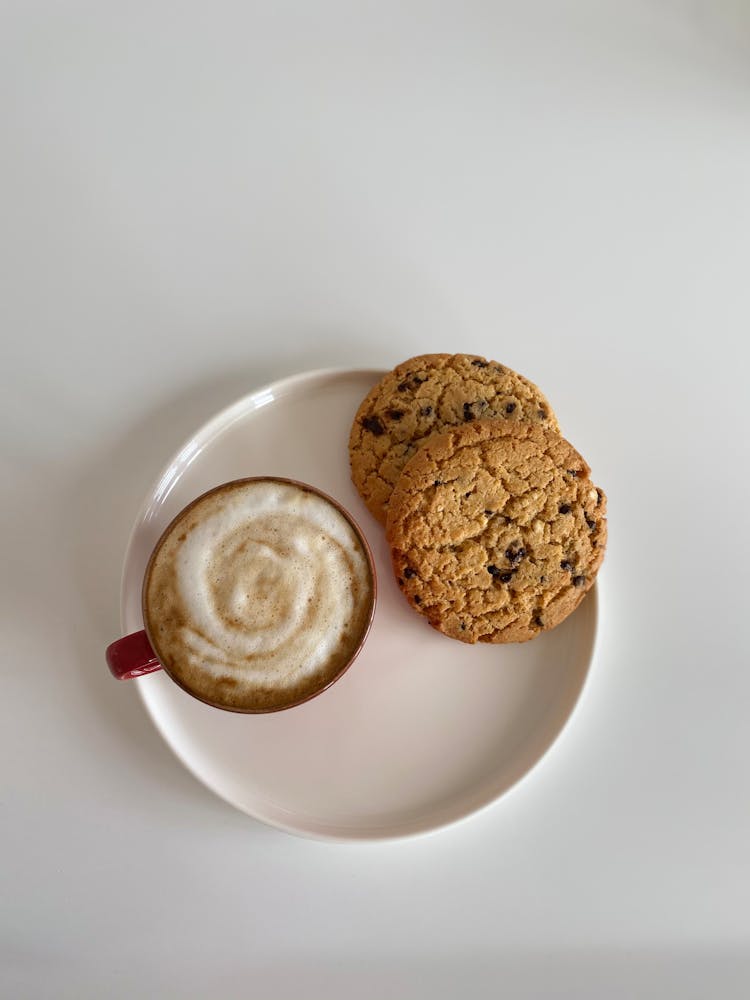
(132, 656)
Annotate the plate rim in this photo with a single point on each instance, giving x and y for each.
(155, 495)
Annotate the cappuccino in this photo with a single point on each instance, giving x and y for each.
(258, 595)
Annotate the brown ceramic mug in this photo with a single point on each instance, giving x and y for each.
(257, 597)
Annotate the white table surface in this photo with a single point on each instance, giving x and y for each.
(200, 197)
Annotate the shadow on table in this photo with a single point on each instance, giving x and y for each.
(576, 974)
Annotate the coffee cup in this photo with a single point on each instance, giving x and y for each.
(257, 597)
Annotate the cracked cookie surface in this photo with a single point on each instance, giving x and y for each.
(496, 531)
(427, 395)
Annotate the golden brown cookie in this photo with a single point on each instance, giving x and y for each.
(427, 395)
(496, 531)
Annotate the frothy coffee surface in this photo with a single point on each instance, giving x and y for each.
(258, 596)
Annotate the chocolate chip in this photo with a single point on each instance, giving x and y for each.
(564, 508)
(489, 513)
(510, 407)
(400, 582)
(426, 411)
(514, 556)
(409, 572)
(417, 599)
(590, 522)
(503, 575)
(478, 363)
(467, 495)
(373, 425)
(566, 564)
(438, 482)
(538, 620)
(395, 414)
(463, 627)
(403, 386)
(468, 415)
(416, 381)
(578, 581)
(542, 413)
(572, 472)
(542, 579)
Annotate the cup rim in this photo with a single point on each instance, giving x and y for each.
(348, 516)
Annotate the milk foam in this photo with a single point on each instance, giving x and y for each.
(259, 591)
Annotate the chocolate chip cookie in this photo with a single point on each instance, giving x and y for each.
(426, 395)
(496, 531)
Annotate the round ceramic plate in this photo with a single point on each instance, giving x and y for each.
(421, 731)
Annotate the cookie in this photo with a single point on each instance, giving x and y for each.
(496, 531)
(427, 395)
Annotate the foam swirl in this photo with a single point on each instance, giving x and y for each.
(261, 591)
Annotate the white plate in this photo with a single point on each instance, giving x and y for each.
(422, 730)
